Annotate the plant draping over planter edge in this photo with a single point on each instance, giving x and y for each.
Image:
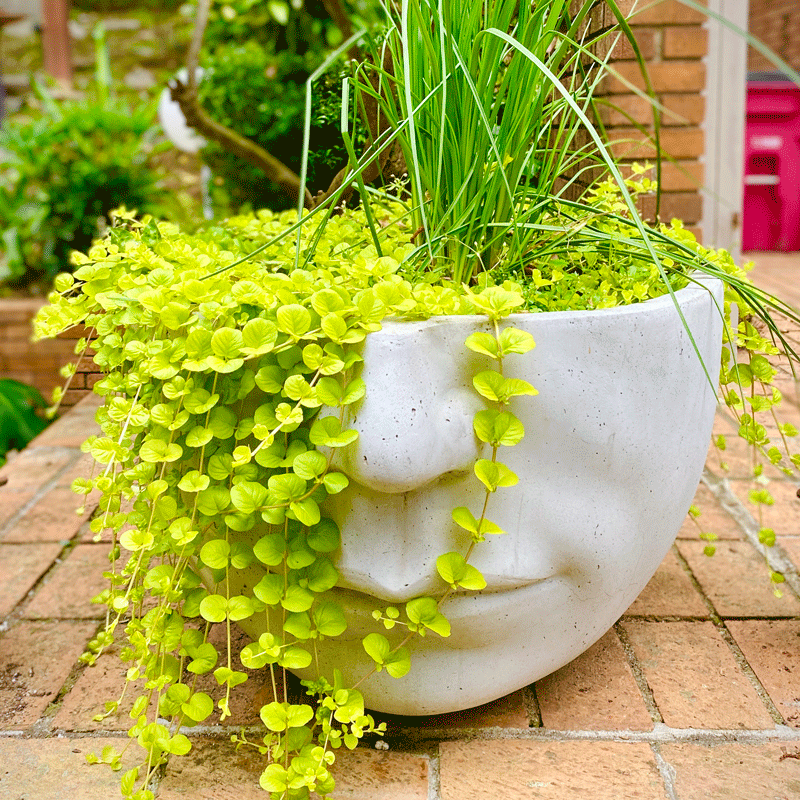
(191, 329)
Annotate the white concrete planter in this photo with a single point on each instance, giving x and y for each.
(615, 443)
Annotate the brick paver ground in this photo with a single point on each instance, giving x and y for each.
(695, 693)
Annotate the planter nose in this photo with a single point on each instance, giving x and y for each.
(413, 438)
(415, 421)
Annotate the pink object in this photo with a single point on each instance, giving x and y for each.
(771, 218)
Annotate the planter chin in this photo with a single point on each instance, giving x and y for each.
(614, 446)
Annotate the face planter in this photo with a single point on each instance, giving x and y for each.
(614, 445)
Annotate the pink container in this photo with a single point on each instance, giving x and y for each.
(771, 215)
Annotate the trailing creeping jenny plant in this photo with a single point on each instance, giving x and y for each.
(214, 387)
(230, 356)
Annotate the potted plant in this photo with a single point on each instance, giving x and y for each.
(318, 425)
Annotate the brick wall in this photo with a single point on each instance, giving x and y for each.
(673, 42)
(777, 24)
(87, 373)
(38, 363)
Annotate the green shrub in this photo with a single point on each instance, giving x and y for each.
(257, 58)
(274, 24)
(63, 173)
(262, 96)
(20, 422)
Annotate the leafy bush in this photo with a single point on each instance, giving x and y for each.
(19, 418)
(262, 96)
(257, 57)
(65, 170)
(274, 24)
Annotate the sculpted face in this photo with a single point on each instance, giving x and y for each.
(614, 445)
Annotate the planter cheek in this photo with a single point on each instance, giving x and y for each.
(614, 446)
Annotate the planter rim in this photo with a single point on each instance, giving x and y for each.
(700, 286)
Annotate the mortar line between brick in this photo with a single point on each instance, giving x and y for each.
(434, 776)
(42, 490)
(532, 708)
(775, 555)
(158, 775)
(666, 770)
(736, 651)
(638, 674)
(44, 723)
(17, 612)
(659, 734)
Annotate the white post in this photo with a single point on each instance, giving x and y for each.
(726, 81)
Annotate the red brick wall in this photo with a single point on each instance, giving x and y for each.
(777, 24)
(37, 363)
(86, 375)
(673, 42)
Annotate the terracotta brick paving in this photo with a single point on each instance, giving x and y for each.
(695, 693)
(744, 772)
(694, 676)
(557, 770)
(597, 691)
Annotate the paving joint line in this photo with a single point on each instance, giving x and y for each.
(639, 677)
(771, 470)
(159, 773)
(67, 546)
(660, 734)
(775, 555)
(733, 646)
(44, 723)
(672, 617)
(530, 702)
(755, 681)
(42, 490)
(17, 612)
(434, 776)
(666, 770)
